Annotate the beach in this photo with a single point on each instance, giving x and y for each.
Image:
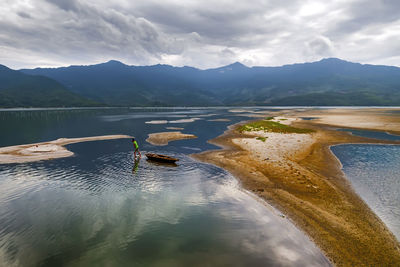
(299, 175)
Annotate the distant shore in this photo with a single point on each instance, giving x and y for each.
(299, 175)
(46, 150)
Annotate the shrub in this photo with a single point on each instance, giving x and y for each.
(272, 126)
(261, 138)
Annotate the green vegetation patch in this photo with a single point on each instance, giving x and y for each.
(261, 138)
(272, 126)
(269, 118)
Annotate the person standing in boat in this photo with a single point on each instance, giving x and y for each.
(136, 147)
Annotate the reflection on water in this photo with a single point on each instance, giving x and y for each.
(102, 208)
(374, 171)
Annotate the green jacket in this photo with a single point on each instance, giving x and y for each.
(136, 145)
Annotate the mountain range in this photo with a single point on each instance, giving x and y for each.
(329, 81)
(21, 90)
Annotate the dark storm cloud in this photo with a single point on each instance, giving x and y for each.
(199, 33)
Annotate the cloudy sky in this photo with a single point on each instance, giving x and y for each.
(200, 33)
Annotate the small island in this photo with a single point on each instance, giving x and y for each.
(46, 150)
(162, 138)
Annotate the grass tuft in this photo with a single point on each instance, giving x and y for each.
(272, 126)
(261, 138)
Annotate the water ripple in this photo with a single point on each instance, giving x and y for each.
(82, 211)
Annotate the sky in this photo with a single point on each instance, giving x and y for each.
(198, 33)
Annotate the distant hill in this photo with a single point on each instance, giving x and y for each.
(22, 90)
(327, 82)
(114, 83)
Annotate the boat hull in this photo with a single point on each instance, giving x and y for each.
(161, 158)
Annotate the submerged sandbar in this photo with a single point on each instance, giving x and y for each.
(46, 150)
(162, 138)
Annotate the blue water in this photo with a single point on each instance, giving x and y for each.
(308, 118)
(374, 172)
(101, 208)
(372, 134)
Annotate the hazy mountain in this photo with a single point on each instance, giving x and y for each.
(114, 83)
(22, 90)
(327, 82)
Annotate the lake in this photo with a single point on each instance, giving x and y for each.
(371, 134)
(374, 172)
(100, 208)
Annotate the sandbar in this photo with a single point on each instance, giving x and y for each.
(162, 138)
(184, 120)
(369, 118)
(157, 122)
(46, 150)
(300, 176)
(238, 110)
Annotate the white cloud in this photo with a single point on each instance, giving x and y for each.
(197, 33)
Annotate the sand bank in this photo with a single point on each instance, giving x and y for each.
(238, 110)
(298, 174)
(157, 122)
(173, 121)
(46, 150)
(369, 118)
(184, 120)
(162, 139)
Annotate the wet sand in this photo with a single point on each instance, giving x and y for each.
(162, 139)
(299, 175)
(46, 150)
(369, 119)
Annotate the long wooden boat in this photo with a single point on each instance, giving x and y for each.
(161, 158)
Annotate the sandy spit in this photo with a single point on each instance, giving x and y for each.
(300, 176)
(46, 150)
(162, 138)
(381, 119)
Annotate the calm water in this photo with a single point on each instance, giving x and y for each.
(372, 134)
(99, 208)
(374, 171)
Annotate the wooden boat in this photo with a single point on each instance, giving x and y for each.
(160, 158)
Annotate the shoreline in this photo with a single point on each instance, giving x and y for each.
(313, 193)
(47, 150)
